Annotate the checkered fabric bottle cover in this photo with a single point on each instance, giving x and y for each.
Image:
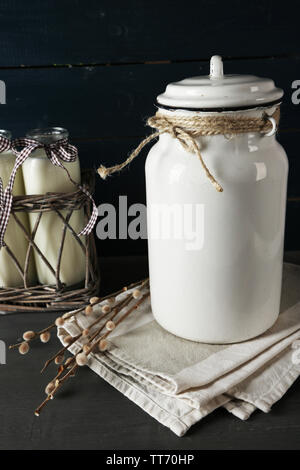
(57, 152)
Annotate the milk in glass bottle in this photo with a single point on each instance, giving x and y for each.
(40, 177)
(16, 243)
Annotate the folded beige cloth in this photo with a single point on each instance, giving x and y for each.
(179, 382)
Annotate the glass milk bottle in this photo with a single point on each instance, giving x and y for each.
(40, 177)
(215, 277)
(10, 275)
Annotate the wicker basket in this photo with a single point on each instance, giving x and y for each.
(56, 297)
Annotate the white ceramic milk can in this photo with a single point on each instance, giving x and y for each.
(215, 258)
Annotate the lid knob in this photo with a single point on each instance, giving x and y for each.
(216, 67)
(217, 91)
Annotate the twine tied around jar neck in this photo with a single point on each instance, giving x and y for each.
(187, 128)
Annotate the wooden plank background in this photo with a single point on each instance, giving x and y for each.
(96, 67)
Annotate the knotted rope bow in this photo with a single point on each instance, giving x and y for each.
(57, 152)
(187, 128)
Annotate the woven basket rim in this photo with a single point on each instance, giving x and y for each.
(40, 298)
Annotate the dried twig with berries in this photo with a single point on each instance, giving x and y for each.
(113, 312)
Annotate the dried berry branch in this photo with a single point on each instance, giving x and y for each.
(44, 334)
(102, 344)
(54, 386)
(60, 352)
(71, 340)
(81, 358)
(58, 384)
(86, 348)
(117, 308)
(96, 341)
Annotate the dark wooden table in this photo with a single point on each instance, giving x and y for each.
(90, 414)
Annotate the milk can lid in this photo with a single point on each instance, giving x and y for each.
(216, 91)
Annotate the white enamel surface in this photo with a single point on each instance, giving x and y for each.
(40, 176)
(14, 237)
(229, 289)
(216, 68)
(220, 91)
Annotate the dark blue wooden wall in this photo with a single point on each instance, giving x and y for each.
(96, 66)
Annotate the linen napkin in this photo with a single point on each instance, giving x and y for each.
(178, 382)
